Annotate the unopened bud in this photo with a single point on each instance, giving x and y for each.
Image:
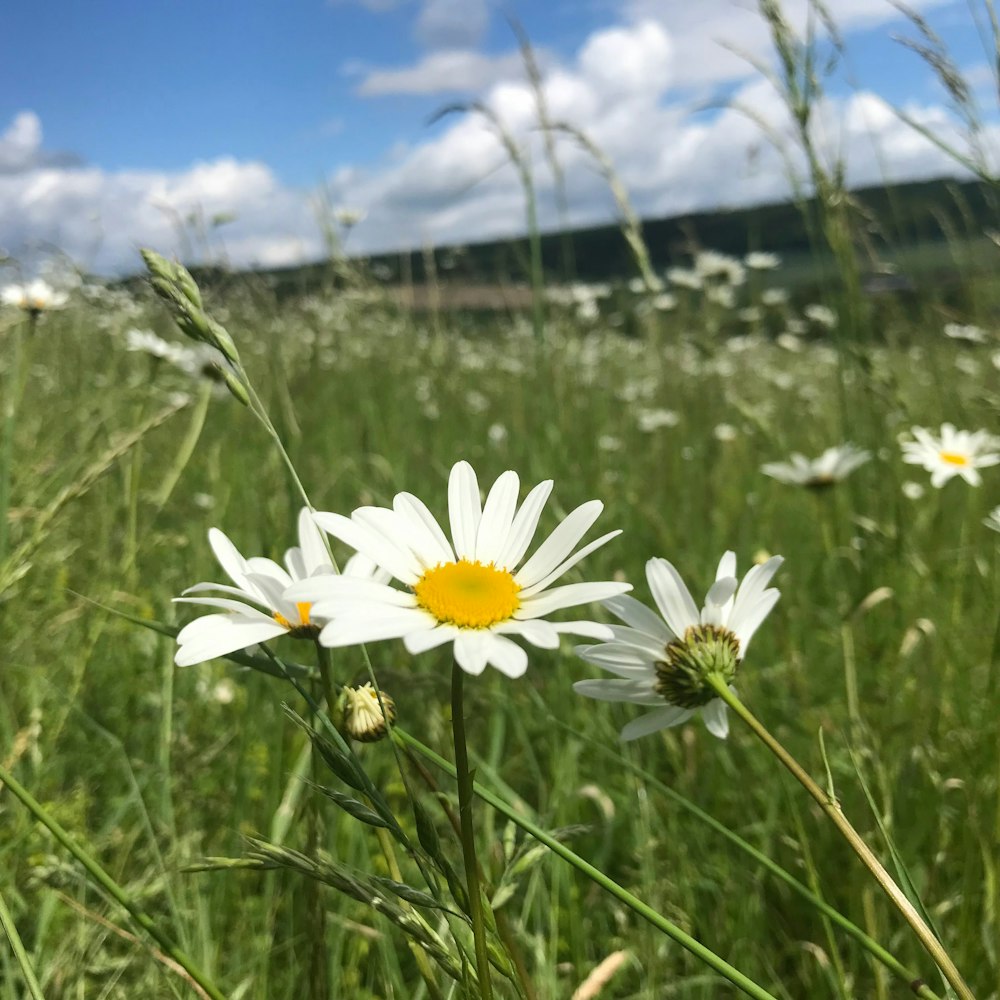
(358, 714)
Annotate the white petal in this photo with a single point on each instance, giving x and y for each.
(258, 566)
(538, 632)
(508, 657)
(295, 563)
(727, 566)
(755, 582)
(428, 538)
(227, 604)
(718, 601)
(567, 596)
(271, 590)
(750, 619)
(348, 588)
(639, 617)
(463, 510)
(559, 544)
(420, 642)
(201, 588)
(228, 555)
(662, 718)
(716, 718)
(361, 567)
(655, 649)
(523, 528)
(401, 565)
(588, 630)
(498, 515)
(228, 636)
(315, 556)
(470, 650)
(619, 653)
(568, 563)
(394, 624)
(394, 529)
(672, 596)
(637, 692)
(621, 660)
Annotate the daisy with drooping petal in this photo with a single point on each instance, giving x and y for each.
(831, 467)
(954, 453)
(662, 662)
(255, 609)
(467, 590)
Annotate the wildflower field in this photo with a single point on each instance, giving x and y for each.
(455, 641)
(876, 669)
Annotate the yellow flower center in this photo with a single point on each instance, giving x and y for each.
(468, 594)
(303, 622)
(953, 458)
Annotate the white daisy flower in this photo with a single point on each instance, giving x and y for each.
(760, 260)
(255, 609)
(467, 591)
(992, 520)
(831, 467)
(35, 297)
(349, 217)
(662, 662)
(965, 331)
(954, 453)
(148, 343)
(821, 315)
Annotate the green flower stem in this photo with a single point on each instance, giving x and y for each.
(720, 965)
(108, 884)
(465, 797)
(17, 946)
(324, 660)
(831, 807)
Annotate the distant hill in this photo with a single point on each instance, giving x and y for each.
(892, 220)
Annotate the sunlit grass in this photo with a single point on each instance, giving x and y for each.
(156, 767)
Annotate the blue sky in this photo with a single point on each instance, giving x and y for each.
(125, 115)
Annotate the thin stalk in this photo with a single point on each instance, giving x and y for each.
(385, 841)
(419, 955)
(188, 445)
(831, 807)
(465, 797)
(12, 398)
(108, 884)
(867, 941)
(17, 946)
(661, 923)
(324, 660)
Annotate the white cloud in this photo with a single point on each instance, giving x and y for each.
(21, 146)
(714, 37)
(452, 24)
(457, 185)
(100, 218)
(449, 71)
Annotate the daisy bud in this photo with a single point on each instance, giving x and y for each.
(358, 714)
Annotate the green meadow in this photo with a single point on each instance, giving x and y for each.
(877, 669)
